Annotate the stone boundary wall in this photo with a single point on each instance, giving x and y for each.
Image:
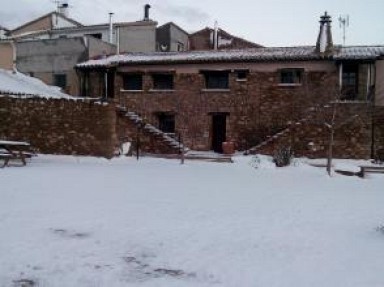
(60, 126)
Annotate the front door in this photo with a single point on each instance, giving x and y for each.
(219, 127)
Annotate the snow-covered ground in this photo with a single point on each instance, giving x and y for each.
(76, 221)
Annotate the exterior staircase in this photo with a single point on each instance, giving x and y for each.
(277, 136)
(171, 143)
(311, 112)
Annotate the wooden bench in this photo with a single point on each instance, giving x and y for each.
(373, 169)
(14, 150)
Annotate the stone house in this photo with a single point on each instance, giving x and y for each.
(259, 98)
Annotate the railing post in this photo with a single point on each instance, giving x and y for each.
(181, 149)
(138, 142)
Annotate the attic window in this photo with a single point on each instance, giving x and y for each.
(162, 81)
(291, 76)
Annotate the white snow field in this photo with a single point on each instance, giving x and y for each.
(77, 221)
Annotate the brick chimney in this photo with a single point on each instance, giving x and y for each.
(324, 42)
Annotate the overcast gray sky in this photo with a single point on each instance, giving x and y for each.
(270, 23)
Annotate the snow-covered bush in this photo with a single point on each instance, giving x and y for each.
(255, 162)
(283, 156)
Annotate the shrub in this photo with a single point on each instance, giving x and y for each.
(283, 156)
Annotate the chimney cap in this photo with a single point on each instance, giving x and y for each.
(325, 18)
(146, 12)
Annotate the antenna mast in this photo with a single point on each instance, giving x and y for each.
(344, 23)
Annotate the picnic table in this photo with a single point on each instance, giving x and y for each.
(374, 169)
(15, 150)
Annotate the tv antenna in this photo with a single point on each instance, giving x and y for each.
(344, 23)
(60, 3)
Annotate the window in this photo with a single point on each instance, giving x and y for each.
(95, 35)
(60, 80)
(162, 81)
(180, 47)
(167, 122)
(291, 76)
(133, 82)
(241, 75)
(350, 82)
(216, 80)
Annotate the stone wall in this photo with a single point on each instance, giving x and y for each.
(60, 126)
(378, 127)
(311, 138)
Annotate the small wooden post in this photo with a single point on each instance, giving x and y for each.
(137, 142)
(181, 150)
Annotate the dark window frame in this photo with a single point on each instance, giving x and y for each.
(291, 76)
(350, 82)
(216, 80)
(242, 75)
(132, 82)
(163, 81)
(60, 80)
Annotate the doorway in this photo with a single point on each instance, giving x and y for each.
(111, 84)
(219, 130)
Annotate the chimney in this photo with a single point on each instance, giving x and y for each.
(63, 9)
(110, 38)
(146, 12)
(324, 42)
(215, 36)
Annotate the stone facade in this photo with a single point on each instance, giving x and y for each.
(60, 126)
(255, 107)
(254, 98)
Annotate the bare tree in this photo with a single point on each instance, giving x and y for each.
(333, 125)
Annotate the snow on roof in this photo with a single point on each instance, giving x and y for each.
(20, 84)
(303, 53)
(3, 28)
(359, 53)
